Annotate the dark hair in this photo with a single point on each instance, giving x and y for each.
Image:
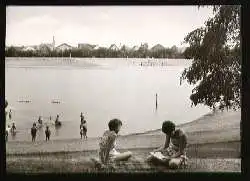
(113, 124)
(168, 127)
(34, 124)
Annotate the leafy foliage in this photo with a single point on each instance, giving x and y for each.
(216, 66)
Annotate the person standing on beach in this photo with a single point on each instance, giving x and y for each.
(173, 152)
(47, 133)
(107, 144)
(33, 132)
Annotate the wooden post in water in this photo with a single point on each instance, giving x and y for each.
(156, 102)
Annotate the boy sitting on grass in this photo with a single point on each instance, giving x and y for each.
(173, 152)
(107, 144)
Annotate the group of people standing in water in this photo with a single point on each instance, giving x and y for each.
(83, 127)
(39, 124)
(47, 130)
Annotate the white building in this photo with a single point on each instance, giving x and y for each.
(114, 47)
(64, 47)
(96, 47)
(29, 48)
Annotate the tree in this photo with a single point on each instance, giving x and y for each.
(216, 66)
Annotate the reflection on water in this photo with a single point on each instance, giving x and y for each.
(116, 88)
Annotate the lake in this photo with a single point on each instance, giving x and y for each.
(101, 88)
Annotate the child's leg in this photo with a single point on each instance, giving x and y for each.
(123, 156)
(175, 163)
(157, 158)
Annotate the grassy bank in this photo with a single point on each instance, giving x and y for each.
(80, 162)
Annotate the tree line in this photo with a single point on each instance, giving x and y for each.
(99, 53)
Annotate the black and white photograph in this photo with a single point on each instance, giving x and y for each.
(123, 89)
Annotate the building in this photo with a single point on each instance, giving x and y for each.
(96, 47)
(47, 46)
(135, 48)
(29, 48)
(85, 46)
(63, 47)
(144, 46)
(113, 47)
(157, 47)
(125, 48)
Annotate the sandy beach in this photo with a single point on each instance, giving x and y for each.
(213, 145)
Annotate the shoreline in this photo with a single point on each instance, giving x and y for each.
(210, 128)
(230, 151)
(213, 146)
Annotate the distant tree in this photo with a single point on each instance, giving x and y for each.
(216, 66)
(11, 52)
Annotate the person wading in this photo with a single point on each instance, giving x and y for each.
(57, 122)
(47, 133)
(13, 129)
(10, 114)
(40, 121)
(83, 129)
(33, 132)
(82, 117)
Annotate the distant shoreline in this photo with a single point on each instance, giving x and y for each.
(84, 62)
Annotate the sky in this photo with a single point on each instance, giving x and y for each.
(103, 25)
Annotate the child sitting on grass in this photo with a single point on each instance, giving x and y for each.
(107, 144)
(174, 150)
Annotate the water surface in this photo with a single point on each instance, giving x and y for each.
(100, 88)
